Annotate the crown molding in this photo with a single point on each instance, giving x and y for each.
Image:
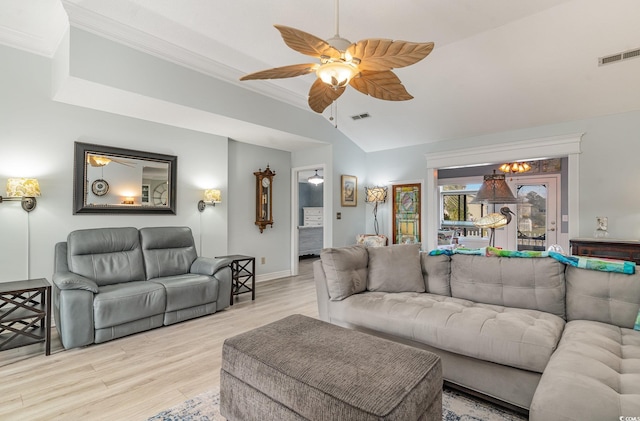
(90, 21)
(41, 30)
(548, 147)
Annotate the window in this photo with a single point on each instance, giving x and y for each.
(456, 210)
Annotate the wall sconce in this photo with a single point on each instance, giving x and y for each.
(211, 197)
(375, 195)
(24, 189)
(128, 201)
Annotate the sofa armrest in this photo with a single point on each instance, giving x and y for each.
(70, 280)
(322, 292)
(208, 266)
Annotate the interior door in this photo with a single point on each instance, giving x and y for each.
(537, 221)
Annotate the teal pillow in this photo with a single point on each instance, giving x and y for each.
(637, 326)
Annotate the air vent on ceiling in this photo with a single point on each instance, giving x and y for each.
(360, 116)
(613, 58)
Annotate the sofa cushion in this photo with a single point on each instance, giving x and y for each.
(126, 302)
(395, 269)
(345, 269)
(185, 291)
(605, 297)
(436, 271)
(167, 251)
(509, 336)
(593, 375)
(527, 283)
(106, 255)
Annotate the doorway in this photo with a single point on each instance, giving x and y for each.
(308, 214)
(537, 213)
(540, 148)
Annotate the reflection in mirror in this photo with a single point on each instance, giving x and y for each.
(109, 180)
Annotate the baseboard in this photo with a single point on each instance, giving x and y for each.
(273, 275)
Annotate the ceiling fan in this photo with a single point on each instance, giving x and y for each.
(365, 65)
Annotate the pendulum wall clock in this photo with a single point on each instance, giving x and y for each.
(264, 199)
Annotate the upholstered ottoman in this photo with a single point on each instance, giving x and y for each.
(300, 368)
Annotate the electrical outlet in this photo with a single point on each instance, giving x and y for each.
(263, 260)
(338, 215)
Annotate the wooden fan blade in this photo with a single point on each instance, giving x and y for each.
(283, 72)
(385, 54)
(322, 95)
(306, 43)
(382, 85)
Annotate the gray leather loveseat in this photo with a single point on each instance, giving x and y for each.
(534, 333)
(113, 282)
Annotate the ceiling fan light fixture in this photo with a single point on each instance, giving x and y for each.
(515, 167)
(336, 73)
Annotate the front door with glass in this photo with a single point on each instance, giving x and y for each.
(536, 223)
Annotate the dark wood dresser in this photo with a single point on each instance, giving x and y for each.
(606, 248)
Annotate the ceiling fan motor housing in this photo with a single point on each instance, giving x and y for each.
(339, 43)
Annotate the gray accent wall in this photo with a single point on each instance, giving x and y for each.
(309, 195)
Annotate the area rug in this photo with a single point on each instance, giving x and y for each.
(455, 407)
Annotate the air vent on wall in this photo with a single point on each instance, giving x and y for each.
(360, 116)
(613, 58)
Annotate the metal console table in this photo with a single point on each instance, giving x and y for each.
(243, 275)
(25, 313)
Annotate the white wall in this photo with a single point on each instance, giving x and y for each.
(245, 238)
(608, 167)
(37, 137)
(348, 159)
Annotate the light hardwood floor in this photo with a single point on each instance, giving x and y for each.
(135, 377)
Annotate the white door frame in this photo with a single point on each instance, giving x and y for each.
(553, 202)
(295, 219)
(541, 148)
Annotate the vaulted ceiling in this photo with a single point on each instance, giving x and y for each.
(497, 64)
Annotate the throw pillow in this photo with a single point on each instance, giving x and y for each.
(345, 269)
(637, 326)
(395, 269)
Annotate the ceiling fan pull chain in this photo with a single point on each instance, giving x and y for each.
(334, 110)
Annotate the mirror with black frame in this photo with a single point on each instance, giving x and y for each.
(117, 180)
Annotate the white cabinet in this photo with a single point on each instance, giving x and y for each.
(312, 217)
(310, 232)
(309, 240)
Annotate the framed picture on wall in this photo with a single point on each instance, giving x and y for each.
(349, 190)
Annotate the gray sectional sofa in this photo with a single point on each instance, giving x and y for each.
(533, 333)
(113, 282)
